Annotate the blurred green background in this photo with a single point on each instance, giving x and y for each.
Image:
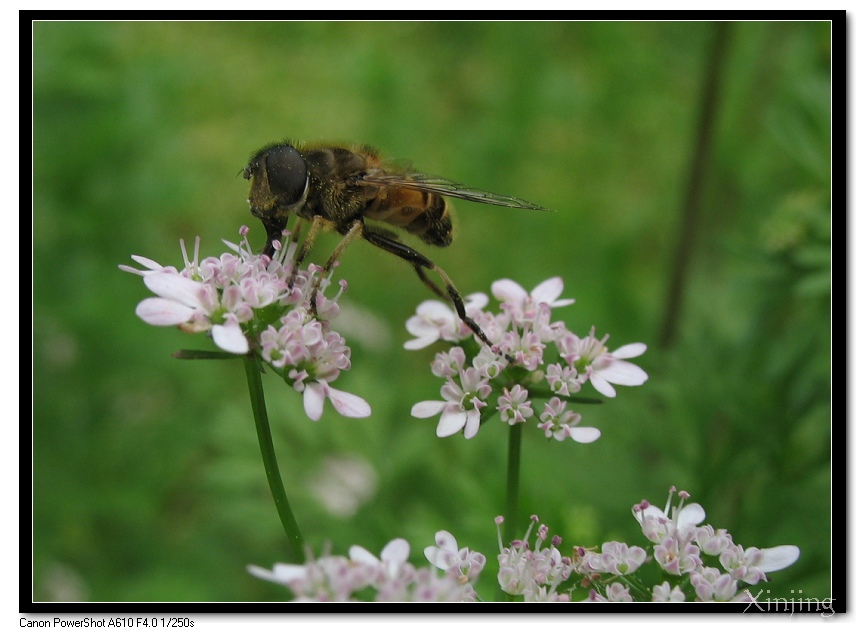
(147, 480)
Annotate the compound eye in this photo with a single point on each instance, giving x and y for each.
(286, 172)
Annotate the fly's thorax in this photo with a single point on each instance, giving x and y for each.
(334, 192)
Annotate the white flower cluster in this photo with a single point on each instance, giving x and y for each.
(684, 551)
(390, 578)
(506, 377)
(541, 573)
(533, 573)
(251, 303)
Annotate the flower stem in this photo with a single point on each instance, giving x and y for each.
(512, 524)
(271, 468)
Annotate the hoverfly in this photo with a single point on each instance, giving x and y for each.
(341, 187)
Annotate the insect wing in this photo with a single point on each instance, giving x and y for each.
(449, 188)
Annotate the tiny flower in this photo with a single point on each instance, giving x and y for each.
(711, 542)
(194, 307)
(488, 362)
(663, 593)
(619, 559)
(616, 592)
(463, 564)
(448, 364)
(750, 565)
(711, 585)
(532, 573)
(524, 307)
(526, 349)
(589, 356)
(544, 594)
(513, 405)
(434, 320)
(677, 558)
(327, 579)
(460, 410)
(609, 369)
(680, 521)
(393, 557)
(559, 423)
(564, 381)
(346, 404)
(180, 301)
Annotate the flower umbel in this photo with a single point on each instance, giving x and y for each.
(390, 578)
(535, 569)
(252, 303)
(531, 353)
(684, 550)
(533, 573)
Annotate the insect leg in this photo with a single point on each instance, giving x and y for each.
(419, 268)
(354, 231)
(295, 231)
(421, 262)
(429, 282)
(293, 244)
(317, 224)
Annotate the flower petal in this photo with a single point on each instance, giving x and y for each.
(603, 387)
(434, 310)
(230, 338)
(437, 557)
(621, 372)
(651, 511)
(348, 404)
(691, 514)
(446, 541)
(159, 311)
(173, 286)
(473, 423)
(358, 554)
(396, 551)
(422, 341)
(550, 290)
(419, 326)
(476, 301)
(150, 264)
(509, 290)
(584, 434)
(428, 408)
(451, 422)
(442, 558)
(775, 558)
(630, 350)
(282, 573)
(313, 400)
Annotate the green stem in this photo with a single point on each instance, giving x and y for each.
(513, 483)
(511, 524)
(271, 468)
